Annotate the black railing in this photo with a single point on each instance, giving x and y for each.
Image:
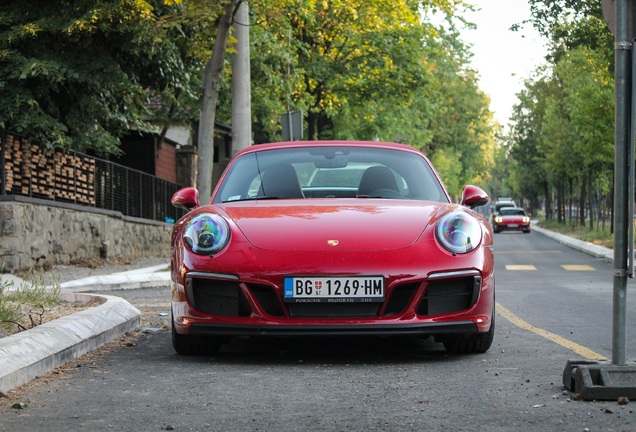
(74, 177)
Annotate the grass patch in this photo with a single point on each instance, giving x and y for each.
(598, 235)
(23, 307)
(9, 310)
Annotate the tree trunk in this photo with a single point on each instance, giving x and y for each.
(582, 201)
(211, 79)
(560, 202)
(312, 126)
(548, 200)
(570, 200)
(590, 199)
(611, 207)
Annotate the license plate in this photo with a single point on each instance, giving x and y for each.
(316, 289)
(513, 226)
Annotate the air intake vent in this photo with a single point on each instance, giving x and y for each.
(446, 296)
(217, 297)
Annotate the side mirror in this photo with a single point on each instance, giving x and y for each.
(186, 198)
(473, 196)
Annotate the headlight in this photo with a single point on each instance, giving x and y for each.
(458, 232)
(498, 219)
(526, 219)
(206, 234)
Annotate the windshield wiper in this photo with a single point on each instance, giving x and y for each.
(256, 198)
(372, 196)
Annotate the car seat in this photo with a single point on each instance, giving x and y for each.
(280, 181)
(377, 178)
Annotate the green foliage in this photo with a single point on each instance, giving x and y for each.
(9, 310)
(372, 70)
(343, 49)
(570, 23)
(35, 290)
(79, 74)
(562, 139)
(449, 169)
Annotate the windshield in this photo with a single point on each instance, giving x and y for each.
(330, 172)
(501, 206)
(509, 211)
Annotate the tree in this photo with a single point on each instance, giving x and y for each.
(370, 70)
(211, 86)
(347, 50)
(588, 98)
(530, 177)
(564, 124)
(80, 74)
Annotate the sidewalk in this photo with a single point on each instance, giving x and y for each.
(25, 355)
(28, 354)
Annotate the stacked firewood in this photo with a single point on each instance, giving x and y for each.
(50, 174)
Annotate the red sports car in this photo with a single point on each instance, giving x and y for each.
(332, 238)
(511, 219)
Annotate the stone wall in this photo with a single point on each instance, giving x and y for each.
(39, 233)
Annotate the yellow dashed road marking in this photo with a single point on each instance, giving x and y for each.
(566, 343)
(574, 267)
(520, 267)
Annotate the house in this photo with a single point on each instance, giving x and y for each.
(173, 158)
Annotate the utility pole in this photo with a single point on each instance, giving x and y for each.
(601, 380)
(241, 81)
(618, 15)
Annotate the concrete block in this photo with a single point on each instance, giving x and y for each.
(600, 380)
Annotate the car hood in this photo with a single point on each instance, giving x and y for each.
(368, 224)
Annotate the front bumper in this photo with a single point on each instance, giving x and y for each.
(452, 303)
(430, 329)
(511, 227)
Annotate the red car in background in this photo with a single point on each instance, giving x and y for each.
(335, 238)
(511, 219)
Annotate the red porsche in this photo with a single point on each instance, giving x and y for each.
(511, 219)
(332, 238)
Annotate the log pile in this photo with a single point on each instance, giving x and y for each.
(51, 174)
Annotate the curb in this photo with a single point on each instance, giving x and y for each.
(580, 245)
(134, 279)
(33, 352)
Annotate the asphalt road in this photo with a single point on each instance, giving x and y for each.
(548, 314)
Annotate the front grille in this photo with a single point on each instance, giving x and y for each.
(449, 295)
(399, 299)
(267, 299)
(217, 297)
(225, 298)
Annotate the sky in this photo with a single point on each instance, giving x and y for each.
(502, 58)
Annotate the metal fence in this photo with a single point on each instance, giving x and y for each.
(74, 177)
(134, 193)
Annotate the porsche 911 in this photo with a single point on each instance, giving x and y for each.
(333, 238)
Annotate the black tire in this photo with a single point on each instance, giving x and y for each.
(476, 344)
(193, 345)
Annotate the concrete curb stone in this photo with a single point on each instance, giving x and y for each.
(30, 353)
(119, 281)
